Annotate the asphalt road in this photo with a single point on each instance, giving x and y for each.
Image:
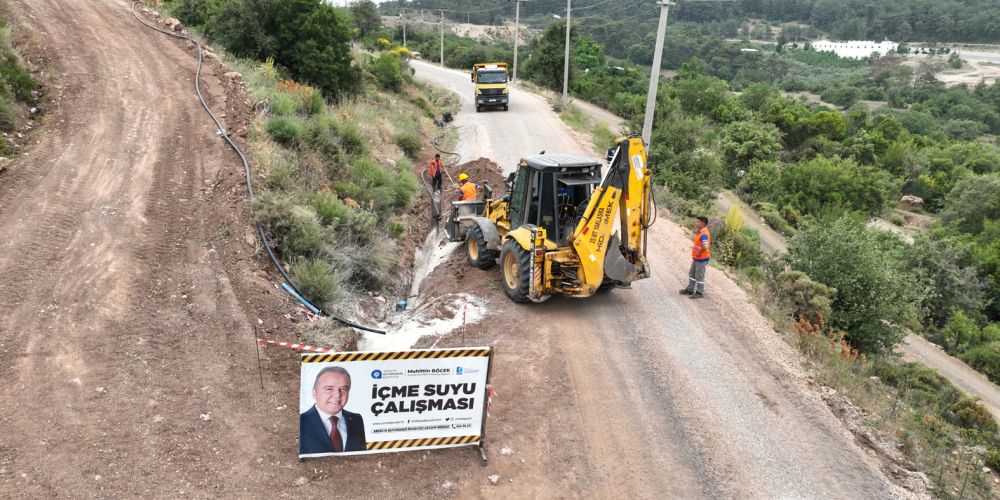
(672, 397)
(501, 135)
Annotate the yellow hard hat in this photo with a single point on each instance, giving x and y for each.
(463, 176)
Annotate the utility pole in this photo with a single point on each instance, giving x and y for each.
(442, 38)
(654, 75)
(565, 94)
(517, 32)
(404, 26)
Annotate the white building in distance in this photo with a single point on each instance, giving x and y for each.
(855, 49)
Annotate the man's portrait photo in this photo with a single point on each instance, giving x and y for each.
(327, 427)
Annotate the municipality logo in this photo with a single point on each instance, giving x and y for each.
(458, 370)
(376, 374)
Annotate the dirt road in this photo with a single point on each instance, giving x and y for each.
(918, 349)
(771, 241)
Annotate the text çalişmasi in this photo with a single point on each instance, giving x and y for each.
(421, 405)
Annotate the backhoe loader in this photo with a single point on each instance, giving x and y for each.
(555, 230)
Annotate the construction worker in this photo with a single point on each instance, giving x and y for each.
(467, 190)
(700, 256)
(434, 169)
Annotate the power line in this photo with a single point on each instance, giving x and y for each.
(585, 7)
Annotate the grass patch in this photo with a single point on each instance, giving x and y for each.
(17, 86)
(601, 135)
(328, 333)
(285, 129)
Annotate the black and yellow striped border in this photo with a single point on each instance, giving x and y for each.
(419, 443)
(343, 357)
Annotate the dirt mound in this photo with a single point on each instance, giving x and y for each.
(481, 171)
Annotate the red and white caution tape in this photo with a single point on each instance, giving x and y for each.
(464, 307)
(489, 399)
(301, 347)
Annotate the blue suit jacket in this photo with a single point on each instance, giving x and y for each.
(314, 439)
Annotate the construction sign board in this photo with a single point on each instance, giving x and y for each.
(353, 403)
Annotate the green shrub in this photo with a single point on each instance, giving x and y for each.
(388, 72)
(17, 79)
(422, 103)
(8, 116)
(991, 332)
(741, 249)
(330, 210)
(348, 189)
(993, 459)
(805, 297)
(404, 184)
(350, 137)
(283, 104)
(744, 143)
(755, 274)
(410, 142)
(897, 219)
(285, 130)
(761, 180)
(960, 332)
(334, 138)
(985, 358)
(969, 413)
(923, 385)
(819, 184)
(843, 96)
(874, 294)
(397, 229)
(296, 229)
(317, 280)
(281, 177)
(964, 130)
(309, 37)
(372, 266)
(777, 222)
(195, 12)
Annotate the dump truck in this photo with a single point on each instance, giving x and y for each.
(491, 88)
(561, 228)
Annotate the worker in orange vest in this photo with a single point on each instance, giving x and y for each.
(434, 169)
(467, 189)
(700, 255)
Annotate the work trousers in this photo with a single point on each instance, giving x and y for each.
(696, 276)
(436, 182)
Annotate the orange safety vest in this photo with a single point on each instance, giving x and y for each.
(699, 252)
(468, 191)
(433, 167)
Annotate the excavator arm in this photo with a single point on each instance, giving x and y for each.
(623, 196)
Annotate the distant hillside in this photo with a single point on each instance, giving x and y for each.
(899, 20)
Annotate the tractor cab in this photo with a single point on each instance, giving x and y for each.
(552, 191)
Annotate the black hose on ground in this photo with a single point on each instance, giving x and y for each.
(246, 166)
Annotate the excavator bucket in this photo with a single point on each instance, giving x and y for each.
(615, 265)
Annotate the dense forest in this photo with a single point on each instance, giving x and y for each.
(898, 20)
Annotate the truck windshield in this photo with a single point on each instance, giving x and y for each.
(492, 77)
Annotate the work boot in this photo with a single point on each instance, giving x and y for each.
(686, 291)
(697, 295)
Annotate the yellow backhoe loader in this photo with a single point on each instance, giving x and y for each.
(561, 228)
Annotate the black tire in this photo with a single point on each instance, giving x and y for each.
(476, 253)
(478, 108)
(606, 287)
(505, 107)
(515, 271)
